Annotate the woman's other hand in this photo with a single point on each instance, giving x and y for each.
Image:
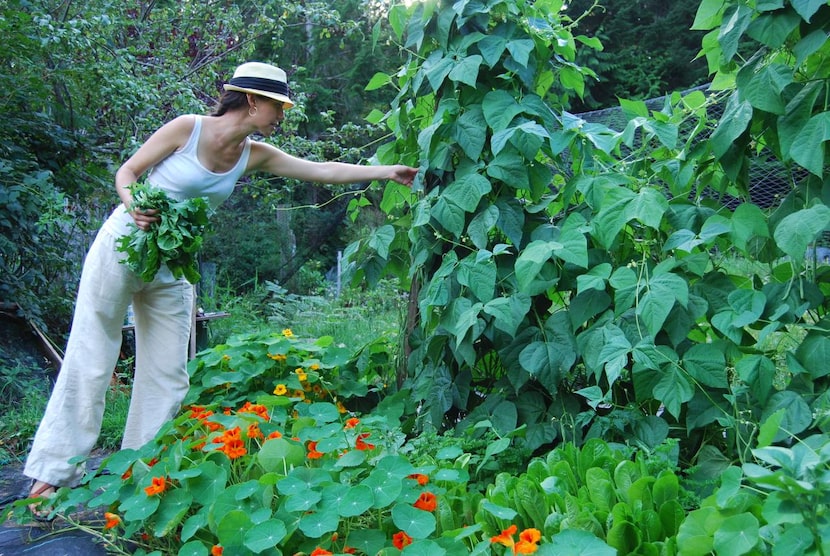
(144, 218)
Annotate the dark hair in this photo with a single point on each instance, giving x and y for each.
(230, 101)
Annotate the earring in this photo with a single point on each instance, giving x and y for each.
(255, 111)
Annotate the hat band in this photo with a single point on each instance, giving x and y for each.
(261, 84)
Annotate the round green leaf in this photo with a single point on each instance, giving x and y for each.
(232, 529)
(357, 500)
(317, 524)
(416, 523)
(280, 455)
(265, 535)
(193, 548)
(737, 535)
(172, 509)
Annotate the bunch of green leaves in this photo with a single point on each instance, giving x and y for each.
(173, 241)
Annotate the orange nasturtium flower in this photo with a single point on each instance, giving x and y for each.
(528, 540)
(320, 552)
(426, 501)
(112, 520)
(401, 539)
(254, 431)
(217, 550)
(280, 390)
(351, 423)
(420, 477)
(361, 445)
(312, 451)
(275, 434)
(256, 409)
(157, 486)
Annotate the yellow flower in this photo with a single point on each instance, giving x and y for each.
(314, 366)
(287, 333)
(278, 357)
(280, 390)
(301, 375)
(341, 408)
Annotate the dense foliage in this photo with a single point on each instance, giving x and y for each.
(571, 280)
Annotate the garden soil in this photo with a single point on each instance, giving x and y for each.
(20, 348)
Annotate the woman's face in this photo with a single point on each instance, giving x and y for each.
(269, 115)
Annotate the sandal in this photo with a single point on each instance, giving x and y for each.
(44, 491)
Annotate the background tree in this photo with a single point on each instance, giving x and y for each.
(649, 49)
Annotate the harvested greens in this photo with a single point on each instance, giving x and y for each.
(173, 241)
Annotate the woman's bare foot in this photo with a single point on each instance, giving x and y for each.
(44, 491)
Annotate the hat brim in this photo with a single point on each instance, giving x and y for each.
(286, 102)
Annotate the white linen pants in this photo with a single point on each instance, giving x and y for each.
(163, 310)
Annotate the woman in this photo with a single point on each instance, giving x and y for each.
(190, 156)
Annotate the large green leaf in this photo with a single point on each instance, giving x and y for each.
(531, 260)
(814, 353)
(798, 230)
(478, 274)
(508, 312)
(735, 120)
(733, 29)
(648, 206)
(509, 168)
(266, 535)
(807, 8)
(674, 389)
(748, 222)
(706, 364)
(450, 216)
(499, 109)
(466, 70)
(482, 223)
(467, 191)
(471, 131)
(808, 146)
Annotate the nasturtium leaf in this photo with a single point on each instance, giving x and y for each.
(139, 507)
(232, 528)
(357, 499)
(574, 542)
(416, 523)
(173, 507)
(264, 536)
(737, 535)
(316, 524)
(280, 455)
(696, 533)
(193, 548)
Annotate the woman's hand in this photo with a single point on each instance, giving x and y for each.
(144, 218)
(404, 175)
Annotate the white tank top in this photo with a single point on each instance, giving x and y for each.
(182, 176)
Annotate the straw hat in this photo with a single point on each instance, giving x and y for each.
(261, 79)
